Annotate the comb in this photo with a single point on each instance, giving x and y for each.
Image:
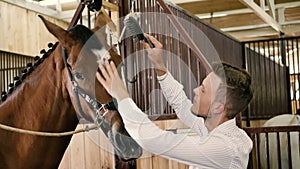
(135, 30)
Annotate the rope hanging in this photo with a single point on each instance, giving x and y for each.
(47, 134)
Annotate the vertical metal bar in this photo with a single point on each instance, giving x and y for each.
(271, 100)
(2, 71)
(292, 55)
(257, 150)
(289, 150)
(278, 149)
(168, 48)
(150, 73)
(251, 70)
(13, 70)
(256, 58)
(264, 78)
(267, 149)
(185, 36)
(188, 54)
(298, 70)
(278, 77)
(178, 51)
(288, 86)
(246, 66)
(275, 86)
(8, 73)
(89, 18)
(144, 73)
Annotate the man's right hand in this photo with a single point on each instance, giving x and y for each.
(155, 55)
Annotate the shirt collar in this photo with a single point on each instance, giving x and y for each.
(226, 126)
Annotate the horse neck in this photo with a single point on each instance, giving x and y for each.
(40, 103)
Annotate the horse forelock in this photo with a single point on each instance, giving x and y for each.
(91, 42)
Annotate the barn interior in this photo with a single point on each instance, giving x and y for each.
(261, 36)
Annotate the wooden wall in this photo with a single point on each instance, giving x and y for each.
(83, 152)
(151, 161)
(22, 31)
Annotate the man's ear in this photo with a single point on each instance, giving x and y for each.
(218, 108)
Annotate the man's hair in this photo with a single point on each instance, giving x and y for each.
(236, 87)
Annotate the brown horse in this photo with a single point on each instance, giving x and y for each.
(45, 101)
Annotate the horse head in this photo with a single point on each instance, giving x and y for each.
(83, 51)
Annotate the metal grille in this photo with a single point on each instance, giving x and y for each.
(180, 59)
(11, 65)
(274, 66)
(272, 144)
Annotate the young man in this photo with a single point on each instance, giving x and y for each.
(223, 94)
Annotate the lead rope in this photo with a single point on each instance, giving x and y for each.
(48, 134)
(95, 126)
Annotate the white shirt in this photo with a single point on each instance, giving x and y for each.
(227, 146)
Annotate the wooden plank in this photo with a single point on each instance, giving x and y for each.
(110, 6)
(106, 151)
(92, 151)
(77, 150)
(23, 31)
(4, 21)
(176, 165)
(175, 124)
(151, 161)
(160, 163)
(66, 160)
(262, 14)
(145, 161)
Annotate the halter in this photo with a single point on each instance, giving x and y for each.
(90, 100)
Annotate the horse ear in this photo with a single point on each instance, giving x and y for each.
(64, 37)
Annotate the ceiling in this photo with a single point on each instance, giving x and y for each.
(243, 19)
(246, 19)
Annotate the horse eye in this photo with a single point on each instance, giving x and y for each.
(78, 76)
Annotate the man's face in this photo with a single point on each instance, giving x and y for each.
(204, 94)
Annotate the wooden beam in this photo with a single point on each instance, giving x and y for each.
(110, 6)
(184, 1)
(33, 7)
(262, 14)
(246, 10)
(109, 21)
(263, 32)
(271, 5)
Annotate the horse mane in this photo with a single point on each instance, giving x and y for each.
(81, 32)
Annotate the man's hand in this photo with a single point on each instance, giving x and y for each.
(155, 55)
(111, 81)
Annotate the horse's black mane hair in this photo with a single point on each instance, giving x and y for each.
(82, 33)
(86, 36)
(30, 67)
